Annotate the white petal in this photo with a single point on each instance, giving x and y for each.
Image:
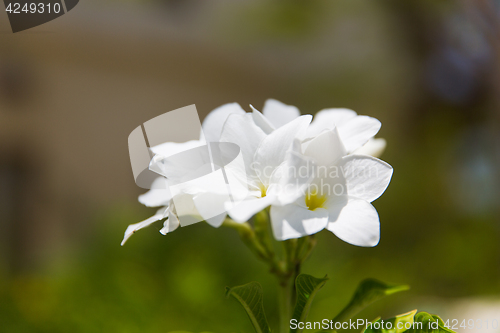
(356, 223)
(170, 224)
(214, 121)
(131, 229)
(212, 182)
(329, 119)
(374, 147)
(211, 207)
(244, 210)
(261, 121)
(326, 148)
(278, 113)
(171, 148)
(241, 130)
(293, 221)
(366, 177)
(237, 179)
(159, 195)
(273, 148)
(357, 131)
(292, 178)
(184, 166)
(185, 210)
(155, 198)
(216, 221)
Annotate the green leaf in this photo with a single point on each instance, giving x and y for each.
(369, 291)
(422, 322)
(250, 296)
(426, 323)
(307, 286)
(391, 325)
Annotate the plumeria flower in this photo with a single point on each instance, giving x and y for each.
(339, 196)
(160, 196)
(274, 129)
(266, 175)
(355, 131)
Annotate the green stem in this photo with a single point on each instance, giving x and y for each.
(285, 299)
(263, 232)
(311, 244)
(287, 293)
(295, 251)
(248, 237)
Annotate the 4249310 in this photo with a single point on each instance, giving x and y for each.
(40, 8)
(475, 324)
(27, 14)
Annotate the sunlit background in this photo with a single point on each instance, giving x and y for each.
(73, 89)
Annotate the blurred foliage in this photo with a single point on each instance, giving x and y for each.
(432, 238)
(160, 283)
(280, 21)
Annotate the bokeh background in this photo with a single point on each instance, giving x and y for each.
(73, 89)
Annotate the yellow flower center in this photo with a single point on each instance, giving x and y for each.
(314, 201)
(263, 190)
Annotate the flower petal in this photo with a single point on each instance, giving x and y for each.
(291, 179)
(374, 147)
(184, 166)
(185, 210)
(244, 210)
(366, 177)
(356, 223)
(294, 221)
(211, 207)
(241, 130)
(131, 229)
(170, 224)
(261, 121)
(326, 148)
(279, 113)
(357, 131)
(272, 150)
(159, 195)
(214, 121)
(171, 148)
(329, 119)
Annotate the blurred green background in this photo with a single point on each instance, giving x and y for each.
(72, 90)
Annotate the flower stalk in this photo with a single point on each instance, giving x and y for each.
(286, 269)
(248, 237)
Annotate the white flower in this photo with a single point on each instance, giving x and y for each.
(276, 128)
(160, 196)
(354, 130)
(338, 197)
(273, 145)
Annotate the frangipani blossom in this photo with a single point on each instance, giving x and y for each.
(354, 130)
(274, 129)
(339, 196)
(273, 145)
(159, 195)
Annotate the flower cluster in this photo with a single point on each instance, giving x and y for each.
(312, 174)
